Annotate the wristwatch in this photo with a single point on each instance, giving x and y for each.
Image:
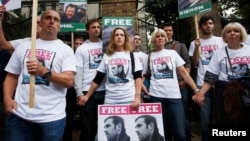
(47, 74)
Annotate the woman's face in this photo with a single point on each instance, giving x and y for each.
(160, 40)
(232, 36)
(119, 38)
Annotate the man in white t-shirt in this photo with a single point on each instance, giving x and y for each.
(200, 51)
(54, 69)
(10, 45)
(88, 57)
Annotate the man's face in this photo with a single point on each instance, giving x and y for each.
(207, 55)
(207, 28)
(70, 11)
(114, 70)
(142, 130)
(78, 42)
(137, 40)
(50, 24)
(110, 130)
(94, 30)
(169, 31)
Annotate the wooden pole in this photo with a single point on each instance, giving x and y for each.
(72, 40)
(33, 52)
(197, 33)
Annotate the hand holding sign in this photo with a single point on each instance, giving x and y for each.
(11, 4)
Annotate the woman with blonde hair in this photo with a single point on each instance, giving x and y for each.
(221, 72)
(165, 88)
(124, 90)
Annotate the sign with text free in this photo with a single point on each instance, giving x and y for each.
(188, 9)
(129, 115)
(110, 23)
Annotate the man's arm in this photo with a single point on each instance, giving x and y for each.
(9, 87)
(4, 44)
(65, 79)
(196, 55)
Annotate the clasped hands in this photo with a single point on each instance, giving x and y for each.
(198, 98)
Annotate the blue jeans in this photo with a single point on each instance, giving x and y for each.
(206, 114)
(18, 129)
(184, 95)
(173, 118)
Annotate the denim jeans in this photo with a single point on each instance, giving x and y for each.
(89, 116)
(206, 114)
(18, 129)
(173, 118)
(184, 95)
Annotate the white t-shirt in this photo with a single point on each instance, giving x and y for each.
(240, 60)
(208, 48)
(88, 56)
(143, 58)
(16, 43)
(163, 81)
(50, 100)
(120, 83)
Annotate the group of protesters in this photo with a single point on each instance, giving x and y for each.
(118, 76)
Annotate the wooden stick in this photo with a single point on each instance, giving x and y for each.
(197, 34)
(33, 52)
(72, 40)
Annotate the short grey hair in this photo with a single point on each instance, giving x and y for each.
(158, 31)
(235, 25)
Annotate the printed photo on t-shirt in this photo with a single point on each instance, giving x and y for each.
(118, 70)
(162, 68)
(240, 68)
(45, 58)
(207, 52)
(95, 58)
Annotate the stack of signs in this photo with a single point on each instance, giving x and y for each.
(121, 122)
(73, 15)
(110, 23)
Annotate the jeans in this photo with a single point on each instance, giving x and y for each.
(184, 95)
(173, 118)
(89, 116)
(18, 129)
(206, 114)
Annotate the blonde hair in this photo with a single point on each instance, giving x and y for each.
(154, 35)
(112, 47)
(237, 26)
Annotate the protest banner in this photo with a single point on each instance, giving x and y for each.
(11, 4)
(110, 23)
(73, 15)
(133, 121)
(188, 8)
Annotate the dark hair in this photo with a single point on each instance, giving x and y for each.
(136, 34)
(148, 119)
(91, 21)
(79, 37)
(116, 121)
(204, 19)
(70, 5)
(166, 24)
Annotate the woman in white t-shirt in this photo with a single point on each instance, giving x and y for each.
(164, 87)
(228, 105)
(120, 89)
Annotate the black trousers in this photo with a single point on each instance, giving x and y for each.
(89, 116)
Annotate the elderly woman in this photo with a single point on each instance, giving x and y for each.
(165, 88)
(223, 69)
(123, 90)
